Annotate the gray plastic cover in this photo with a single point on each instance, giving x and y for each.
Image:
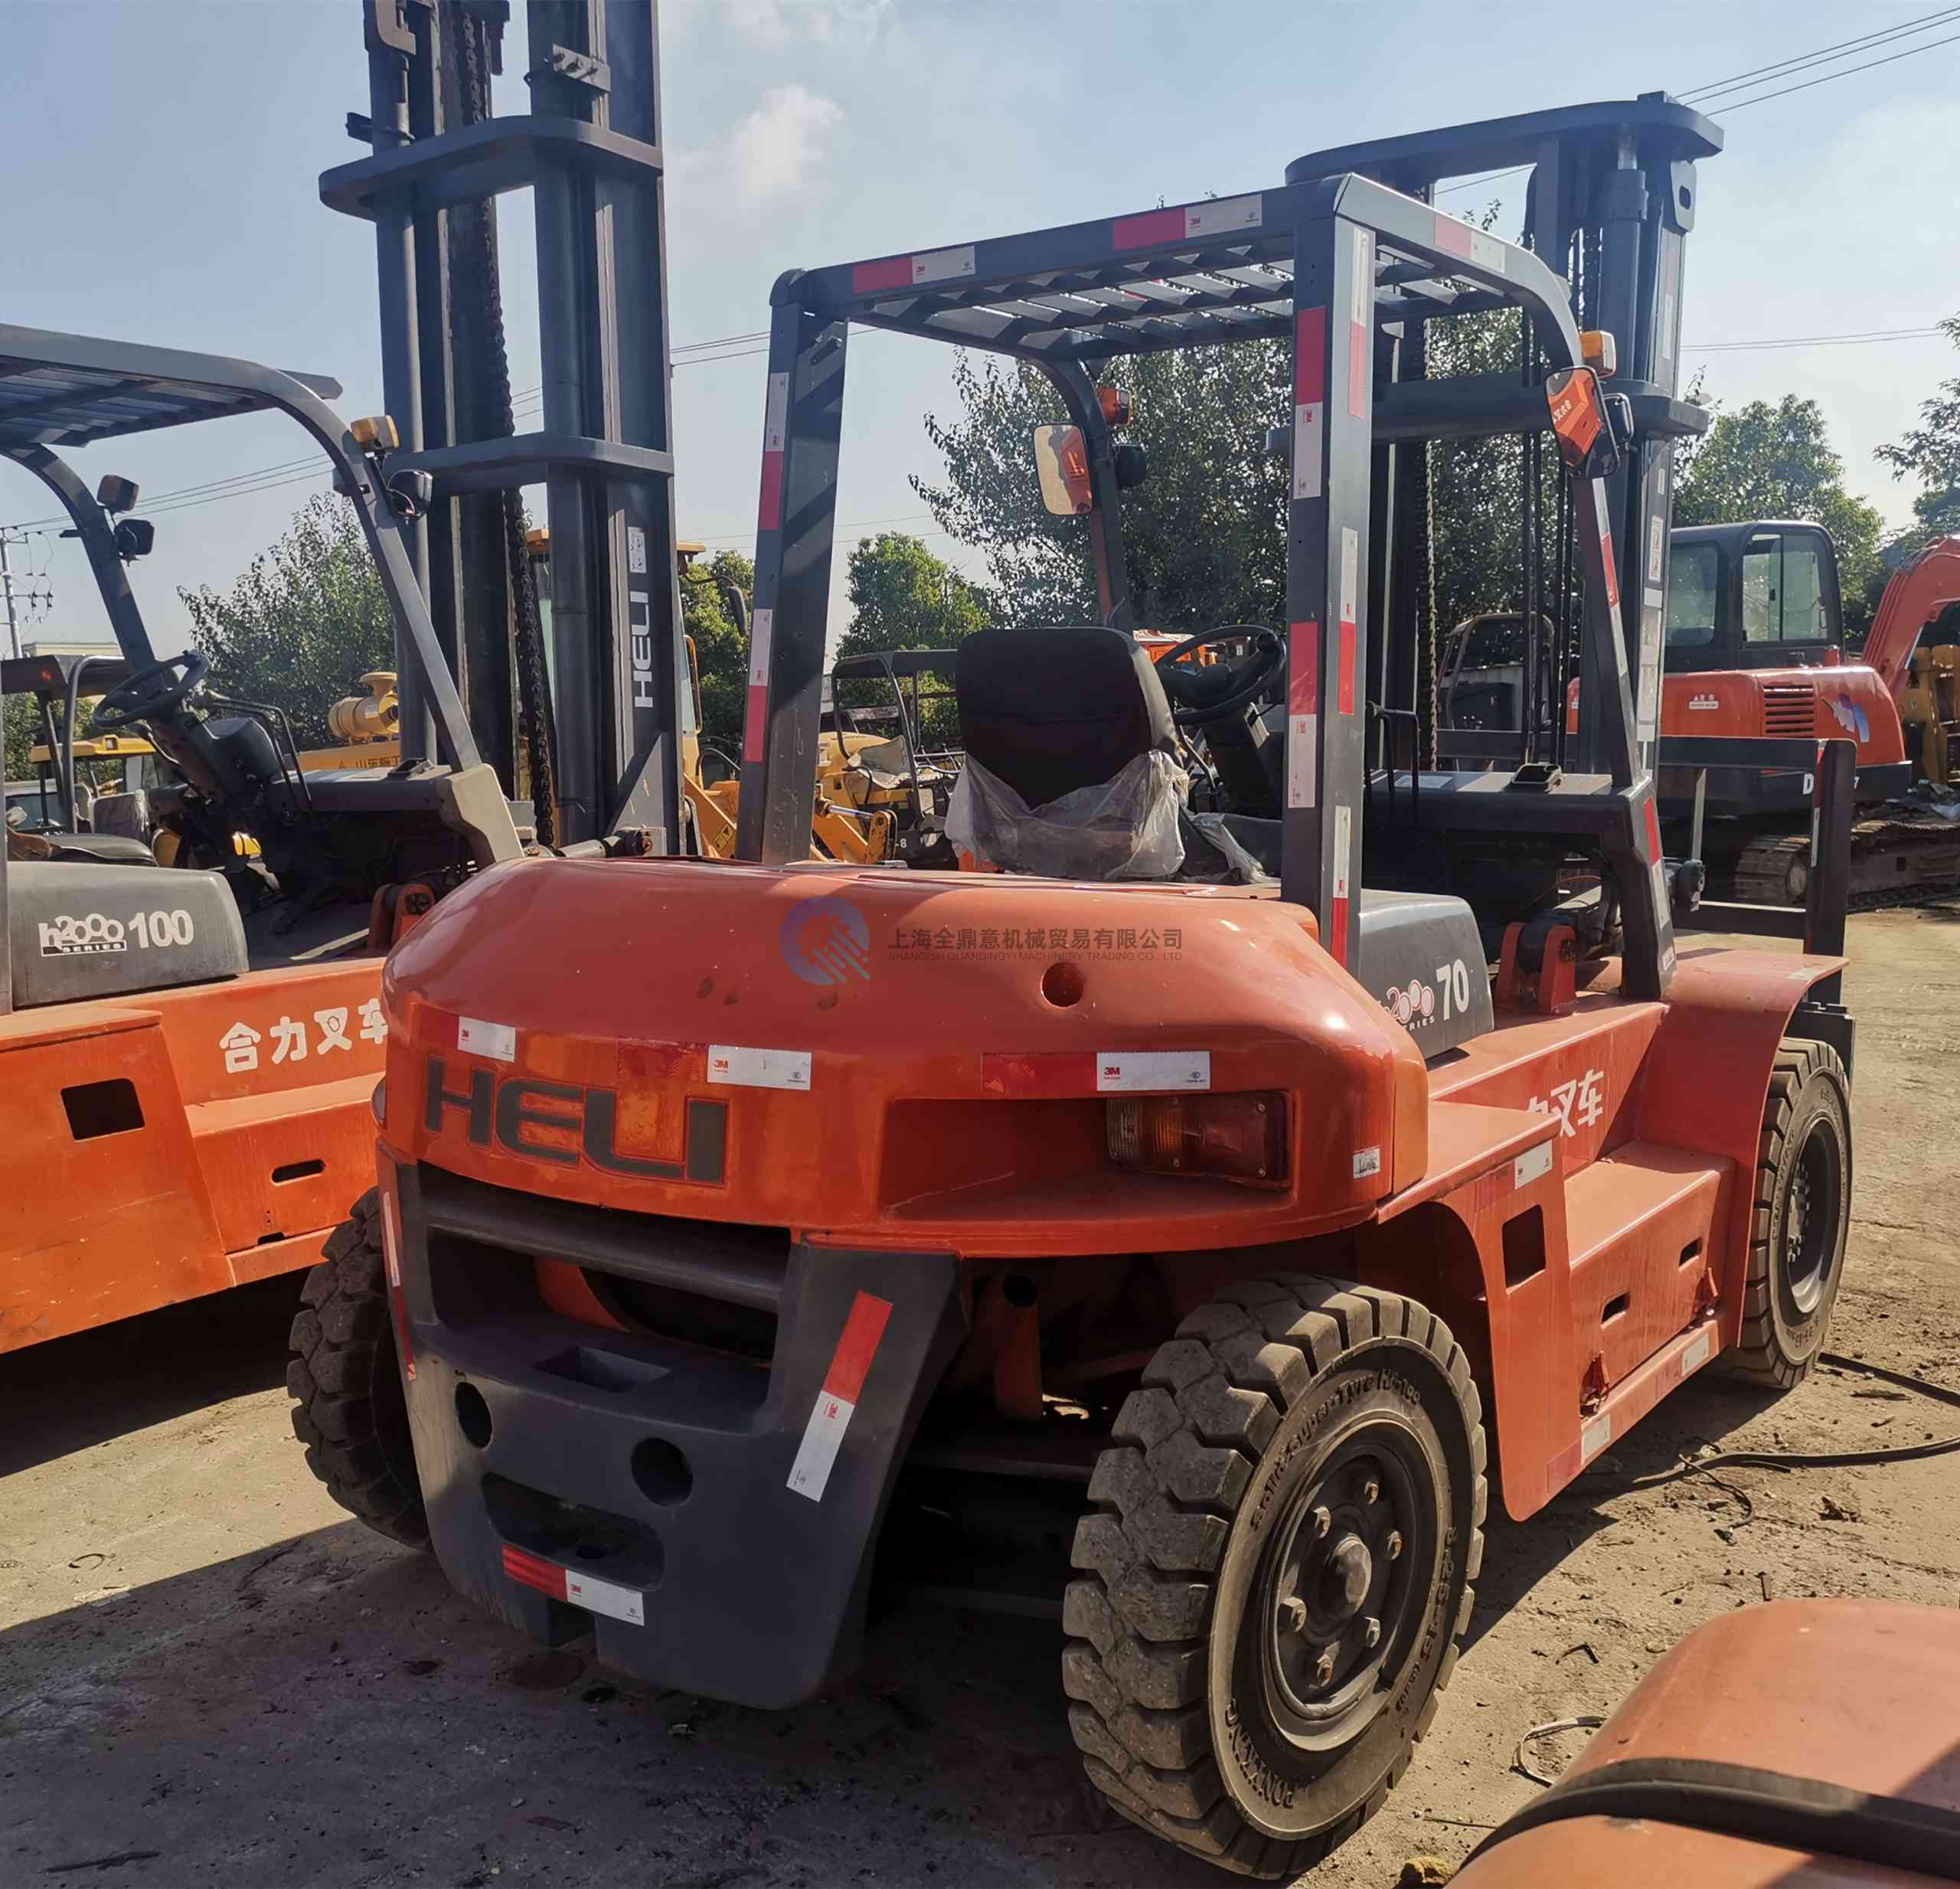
(81, 930)
(1124, 827)
(1422, 959)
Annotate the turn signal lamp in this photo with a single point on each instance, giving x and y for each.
(375, 434)
(1228, 1137)
(1599, 351)
(1114, 402)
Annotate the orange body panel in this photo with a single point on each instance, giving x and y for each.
(244, 1135)
(1845, 700)
(1766, 1687)
(1564, 1190)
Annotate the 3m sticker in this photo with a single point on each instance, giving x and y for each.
(497, 1041)
(943, 265)
(1309, 443)
(1302, 712)
(1125, 1071)
(583, 1591)
(1224, 215)
(837, 1402)
(1360, 326)
(776, 414)
(1309, 401)
(1594, 1437)
(755, 725)
(1456, 238)
(1351, 578)
(1533, 1165)
(1343, 847)
(1368, 1161)
(1696, 1354)
(758, 1069)
(635, 551)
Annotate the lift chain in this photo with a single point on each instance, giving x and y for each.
(537, 730)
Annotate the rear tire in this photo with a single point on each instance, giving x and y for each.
(349, 1408)
(1802, 1218)
(1277, 1571)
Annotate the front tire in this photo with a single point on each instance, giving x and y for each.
(348, 1406)
(1277, 1571)
(1802, 1216)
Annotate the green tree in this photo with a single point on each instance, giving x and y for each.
(1930, 452)
(721, 651)
(903, 597)
(1776, 461)
(303, 624)
(23, 727)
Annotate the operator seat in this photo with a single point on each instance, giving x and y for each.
(1051, 711)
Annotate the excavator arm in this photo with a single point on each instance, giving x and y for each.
(1916, 594)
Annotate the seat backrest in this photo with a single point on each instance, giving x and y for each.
(1050, 710)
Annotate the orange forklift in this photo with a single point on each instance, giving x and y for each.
(187, 1052)
(1250, 1219)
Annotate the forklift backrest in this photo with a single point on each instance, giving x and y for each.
(1050, 710)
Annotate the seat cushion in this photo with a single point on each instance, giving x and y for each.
(1052, 711)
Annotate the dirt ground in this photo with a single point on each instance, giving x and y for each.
(208, 1675)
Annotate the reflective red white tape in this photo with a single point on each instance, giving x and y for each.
(1302, 712)
(1360, 326)
(1350, 579)
(582, 1591)
(837, 1402)
(1220, 215)
(754, 727)
(908, 272)
(1309, 401)
(1344, 848)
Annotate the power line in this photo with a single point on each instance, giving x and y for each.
(1799, 62)
(1814, 340)
(1781, 68)
(1736, 105)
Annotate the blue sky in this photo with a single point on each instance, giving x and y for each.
(161, 161)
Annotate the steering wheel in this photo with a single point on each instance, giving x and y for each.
(152, 692)
(1240, 681)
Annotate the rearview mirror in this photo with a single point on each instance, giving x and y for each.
(135, 538)
(1579, 423)
(1061, 458)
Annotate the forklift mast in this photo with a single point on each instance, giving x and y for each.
(594, 732)
(1609, 202)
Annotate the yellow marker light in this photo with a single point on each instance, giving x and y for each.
(1599, 351)
(375, 434)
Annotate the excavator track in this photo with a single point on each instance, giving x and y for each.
(1898, 857)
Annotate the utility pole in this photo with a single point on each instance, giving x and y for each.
(7, 600)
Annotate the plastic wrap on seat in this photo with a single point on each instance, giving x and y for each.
(1124, 827)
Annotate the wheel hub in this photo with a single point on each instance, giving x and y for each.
(1342, 1594)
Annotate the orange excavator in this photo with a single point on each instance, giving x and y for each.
(1755, 649)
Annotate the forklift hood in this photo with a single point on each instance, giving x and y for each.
(888, 1057)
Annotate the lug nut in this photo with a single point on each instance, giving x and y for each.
(1324, 1669)
(1392, 1548)
(1370, 1493)
(1322, 1521)
(1293, 1612)
(1371, 1632)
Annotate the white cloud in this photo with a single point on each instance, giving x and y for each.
(771, 150)
(776, 22)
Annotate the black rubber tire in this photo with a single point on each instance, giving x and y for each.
(1783, 1328)
(1235, 1414)
(348, 1406)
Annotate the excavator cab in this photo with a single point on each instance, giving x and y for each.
(1754, 596)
